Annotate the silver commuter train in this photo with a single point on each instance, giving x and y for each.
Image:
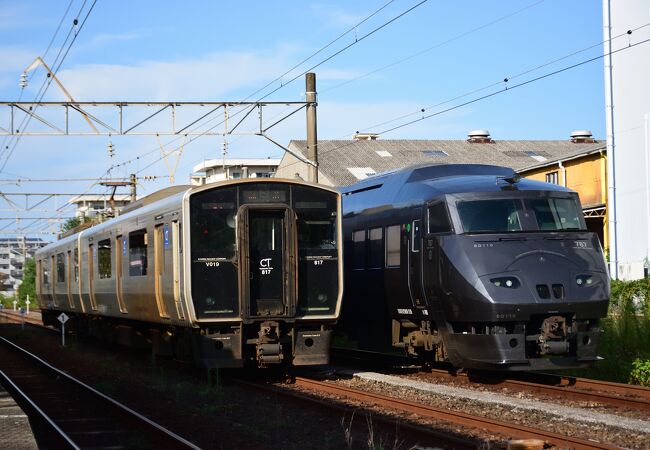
(233, 273)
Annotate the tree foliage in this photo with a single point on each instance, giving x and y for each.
(28, 287)
(71, 223)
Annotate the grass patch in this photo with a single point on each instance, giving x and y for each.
(625, 343)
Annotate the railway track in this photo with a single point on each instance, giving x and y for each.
(387, 403)
(67, 413)
(577, 389)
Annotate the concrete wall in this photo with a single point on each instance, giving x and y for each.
(631, 107)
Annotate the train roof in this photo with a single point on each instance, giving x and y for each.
(438, 179)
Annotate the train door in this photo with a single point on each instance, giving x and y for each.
(159, 268)
(91, 276)
(68, 277)
(77, 276)
(176, 267)
(266, 246)
(120, 252)
(438, 224)
(53, 279)
(414, 260)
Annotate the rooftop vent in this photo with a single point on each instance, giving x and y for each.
(479, 137)
(365, 136)
(435, 153)
(361, 173)
(582, 137)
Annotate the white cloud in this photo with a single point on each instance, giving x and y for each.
(206, 77)
(336, 17)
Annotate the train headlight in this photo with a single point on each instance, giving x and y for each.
(585, 280)
(506, 282)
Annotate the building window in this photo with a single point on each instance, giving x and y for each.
(393, 246)
(552, 177)
(235, 175)
(60, 268)
(138, 253)
(376, 248)
(104, 258)
(359, 249)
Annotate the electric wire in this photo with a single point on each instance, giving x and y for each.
(31, 76)
(55, 71)
(323, 61)
(491, 94)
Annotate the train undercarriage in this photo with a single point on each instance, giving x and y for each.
(543, 342)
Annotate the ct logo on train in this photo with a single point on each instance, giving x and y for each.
(265, 266)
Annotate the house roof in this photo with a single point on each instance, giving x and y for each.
(576, 153)
(347, 161)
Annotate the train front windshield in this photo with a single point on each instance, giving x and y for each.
(508, 215)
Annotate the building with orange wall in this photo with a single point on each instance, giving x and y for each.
(583, 170)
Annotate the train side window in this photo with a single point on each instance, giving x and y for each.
(376, 248)
(393, 246)
(439, 219)
(359, 249)
(138, 253)
(416, 235)
(76, 264)
(104, 258)
(45, 274)
(60, 268)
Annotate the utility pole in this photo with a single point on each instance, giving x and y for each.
(132, 183)
(312, 138)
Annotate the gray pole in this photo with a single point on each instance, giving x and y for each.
(312, 138)
(132, 182)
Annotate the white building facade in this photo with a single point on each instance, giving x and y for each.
(627, 98)
(214, 170)
(13, 254)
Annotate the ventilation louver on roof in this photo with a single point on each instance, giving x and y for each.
(361, 173)
(435, 153)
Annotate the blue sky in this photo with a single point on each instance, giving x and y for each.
(218, 51)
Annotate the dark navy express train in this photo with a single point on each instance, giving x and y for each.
(472, 264)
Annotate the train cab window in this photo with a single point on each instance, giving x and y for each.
(393, 246)
(359, 249)
(416, 235)
(60, 268)
(138, 253)
(556, 213)
(104, 258)
(213, 216)
(438, 218)
(376, 248)
(489, 216)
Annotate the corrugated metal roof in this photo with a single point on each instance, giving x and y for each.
(335, 156)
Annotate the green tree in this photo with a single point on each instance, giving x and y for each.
(28, 287)
(71, 223)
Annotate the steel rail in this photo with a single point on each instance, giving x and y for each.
(412, 432)
(131, 413)
(24, 399)
(581, 389)
(458, 418)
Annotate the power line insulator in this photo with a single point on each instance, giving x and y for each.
(23, 80)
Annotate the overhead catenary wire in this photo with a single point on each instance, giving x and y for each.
(284, 84)
(49, 45)
(508, 88)
(55, 71)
